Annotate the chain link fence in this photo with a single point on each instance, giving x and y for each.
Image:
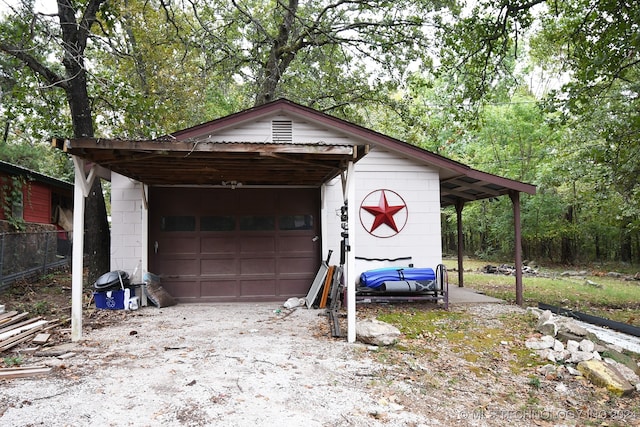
(27, 254)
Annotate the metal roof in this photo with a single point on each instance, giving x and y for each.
(184, 158)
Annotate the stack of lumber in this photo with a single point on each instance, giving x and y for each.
(21, 372)
(17, 328)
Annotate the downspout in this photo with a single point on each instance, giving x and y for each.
(459, 207)
(515, 200)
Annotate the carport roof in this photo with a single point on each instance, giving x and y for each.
(188, 158)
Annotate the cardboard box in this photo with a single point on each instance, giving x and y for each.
(114, 300)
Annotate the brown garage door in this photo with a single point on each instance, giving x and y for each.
(234, 245)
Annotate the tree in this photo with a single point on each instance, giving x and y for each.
(26, 37)
(325, 54)
(595, 49)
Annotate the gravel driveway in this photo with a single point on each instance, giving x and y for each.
(262, 365)
(204, 364)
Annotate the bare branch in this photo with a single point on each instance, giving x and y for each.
(36, 66)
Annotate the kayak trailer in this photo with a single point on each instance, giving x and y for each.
(397, 284)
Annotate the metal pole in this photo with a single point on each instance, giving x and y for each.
(351, 254)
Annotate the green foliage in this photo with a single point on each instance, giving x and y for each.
(12, 361)
(38, 308)
(534, 381)
(160, 66)
(12, 192)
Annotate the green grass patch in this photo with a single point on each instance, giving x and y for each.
(465, 336)
(611, 298)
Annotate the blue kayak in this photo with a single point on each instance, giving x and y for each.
(375, 278)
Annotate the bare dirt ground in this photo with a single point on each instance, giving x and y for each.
(260, 364)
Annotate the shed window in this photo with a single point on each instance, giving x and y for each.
(257, 223)
(217, 223)
(178, 223)
(295, 222)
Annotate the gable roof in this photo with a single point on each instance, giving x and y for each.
(11, 169)
(190, 157)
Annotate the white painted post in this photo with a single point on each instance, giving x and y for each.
(350, 277)
(144, 240)
(78, 249)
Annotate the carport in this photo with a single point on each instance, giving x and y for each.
(189, 159)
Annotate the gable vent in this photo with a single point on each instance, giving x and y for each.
(282, 131)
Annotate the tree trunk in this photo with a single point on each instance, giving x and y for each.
(567, 254)
(97, 235)
(625, 244)
(280, 56)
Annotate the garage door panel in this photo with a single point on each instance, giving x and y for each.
(219, 288)
(177, 245)
(258, 244)
(253, 288)
(218, 203)
(256, 201)
(296, 266)
(293, 287)
(217, 245)
(257, 266)
(296, 245)
(178, 267)
(219, 266)
(183, 288)
(234, 245)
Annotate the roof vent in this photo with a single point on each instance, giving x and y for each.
(282, 131)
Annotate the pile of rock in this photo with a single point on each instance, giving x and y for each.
(565, 342)
(508, 270)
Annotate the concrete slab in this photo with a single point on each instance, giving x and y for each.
(458, 295)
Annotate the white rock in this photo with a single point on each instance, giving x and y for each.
(546, 353)
(373, 331)
(558, 346)
(535, 311)
(587, 345)
(573, 371)
(624, 370)
(573, 345)
(548, 328)
(545, 316)
(569, 325)
(580, 356)
(540, 343)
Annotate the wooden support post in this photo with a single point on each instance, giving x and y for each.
(82, 186)
(515, 200)
(459, 207)
(144, 267)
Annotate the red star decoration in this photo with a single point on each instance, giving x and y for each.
(383, 213)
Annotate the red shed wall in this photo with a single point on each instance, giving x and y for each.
(37, 203)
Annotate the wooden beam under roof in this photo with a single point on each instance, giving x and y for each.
(72, 145)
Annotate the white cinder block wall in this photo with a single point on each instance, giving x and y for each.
(417, 184)
(126, 226)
